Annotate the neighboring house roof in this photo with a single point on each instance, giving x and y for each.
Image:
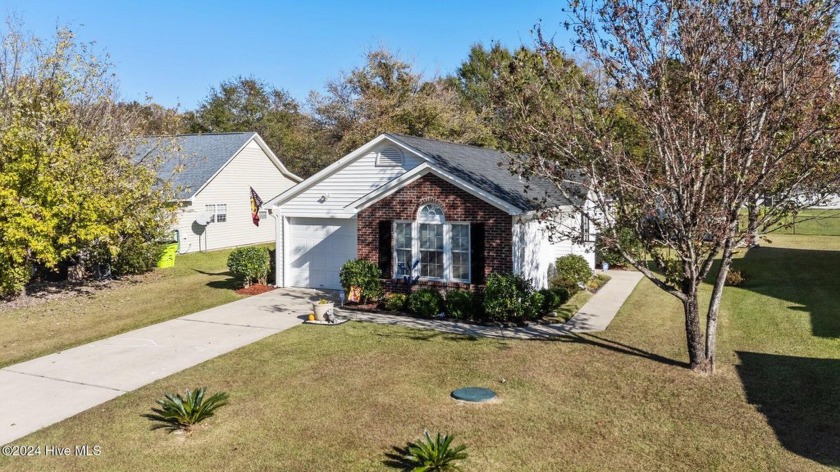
(190, 161)
(488, 170)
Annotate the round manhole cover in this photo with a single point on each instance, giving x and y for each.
(473, 394)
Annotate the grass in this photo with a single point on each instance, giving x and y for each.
(339, 398)
(198, 281)
(814, 222)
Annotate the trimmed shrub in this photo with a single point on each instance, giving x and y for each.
(425, 302)
(136, 256)
(364, 274)
(460, 304)
(506, 297)
(536, 305)
(249, 265)
(554, 298)
(735, 278)
(395, 302)
(573, 272)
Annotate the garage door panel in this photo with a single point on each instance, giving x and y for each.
(318, 249)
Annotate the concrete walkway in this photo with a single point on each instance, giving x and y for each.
(46, 390)
(595, 315)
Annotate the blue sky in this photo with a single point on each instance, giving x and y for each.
(175, 51)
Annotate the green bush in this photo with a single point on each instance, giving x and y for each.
(573, 273)
(595, 283)
(506, 297)
(425, 302)
(735, 278)
(249, 265)
(364, 274)
(136, 256)
(395, 302)
(175, 412)
(433, 454)
(536, 305)
(554, 298)
(460, 304)
(606, 251)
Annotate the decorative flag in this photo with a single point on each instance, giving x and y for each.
(256, 203)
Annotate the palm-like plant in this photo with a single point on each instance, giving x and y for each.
(175, 412)
(434, 454)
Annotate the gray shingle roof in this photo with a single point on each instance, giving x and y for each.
(198, 155)
(487, 169)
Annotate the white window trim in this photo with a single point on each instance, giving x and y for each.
(447, 250)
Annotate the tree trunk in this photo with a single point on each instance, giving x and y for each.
(693, 333)
(714, 306)
(752, 224)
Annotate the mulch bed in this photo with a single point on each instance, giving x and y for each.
(255, 289)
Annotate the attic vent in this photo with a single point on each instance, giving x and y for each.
(389, 157)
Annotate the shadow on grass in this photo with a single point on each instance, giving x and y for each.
(429, 335)
(396, 459)
(620, 348)
(800, 397)
(806, 278)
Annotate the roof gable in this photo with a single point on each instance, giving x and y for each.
(190, 161)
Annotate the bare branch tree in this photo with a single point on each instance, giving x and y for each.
(692, 111)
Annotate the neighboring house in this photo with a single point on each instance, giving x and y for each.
(442, 213)
(214, 174)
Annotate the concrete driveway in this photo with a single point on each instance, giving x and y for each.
(44, 391)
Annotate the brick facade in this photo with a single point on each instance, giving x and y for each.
(458, 206)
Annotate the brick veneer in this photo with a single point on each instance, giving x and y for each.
(458, 206)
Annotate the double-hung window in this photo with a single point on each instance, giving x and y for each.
(218, 212)
(432, 248)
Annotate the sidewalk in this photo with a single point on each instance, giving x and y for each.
(595, 315)
(43, 391)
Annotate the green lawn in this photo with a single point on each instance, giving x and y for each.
(339, 398)
(198, 281)
(812, 222)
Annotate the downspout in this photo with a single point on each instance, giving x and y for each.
(279, 246)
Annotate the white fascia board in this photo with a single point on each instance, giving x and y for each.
(326, 172)
(276, 160)
(420, 171)
(319, 214)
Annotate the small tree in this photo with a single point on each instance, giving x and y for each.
(692, 109)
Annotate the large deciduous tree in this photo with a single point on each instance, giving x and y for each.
(690, 111)
(69, 180)
(387, 95)
(249, 104)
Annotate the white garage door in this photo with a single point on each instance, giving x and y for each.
(318, 247)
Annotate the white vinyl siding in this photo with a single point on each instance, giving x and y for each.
(330, 196)
(534, 254)
(251, 167)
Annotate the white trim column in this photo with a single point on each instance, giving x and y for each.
(279, 248)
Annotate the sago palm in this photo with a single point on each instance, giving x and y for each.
(435, 454)
(175, 412)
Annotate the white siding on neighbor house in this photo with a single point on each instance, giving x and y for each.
(362, 176)
(250, 168)
(534, 253)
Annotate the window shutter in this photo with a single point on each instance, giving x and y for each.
(477, 253)
(385, 249)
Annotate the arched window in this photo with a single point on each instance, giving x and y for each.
(432, 248)
(431, 213)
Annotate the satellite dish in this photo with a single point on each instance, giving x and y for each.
(204, 219)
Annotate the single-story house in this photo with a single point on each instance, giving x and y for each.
(426, 211)
(214, 174)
